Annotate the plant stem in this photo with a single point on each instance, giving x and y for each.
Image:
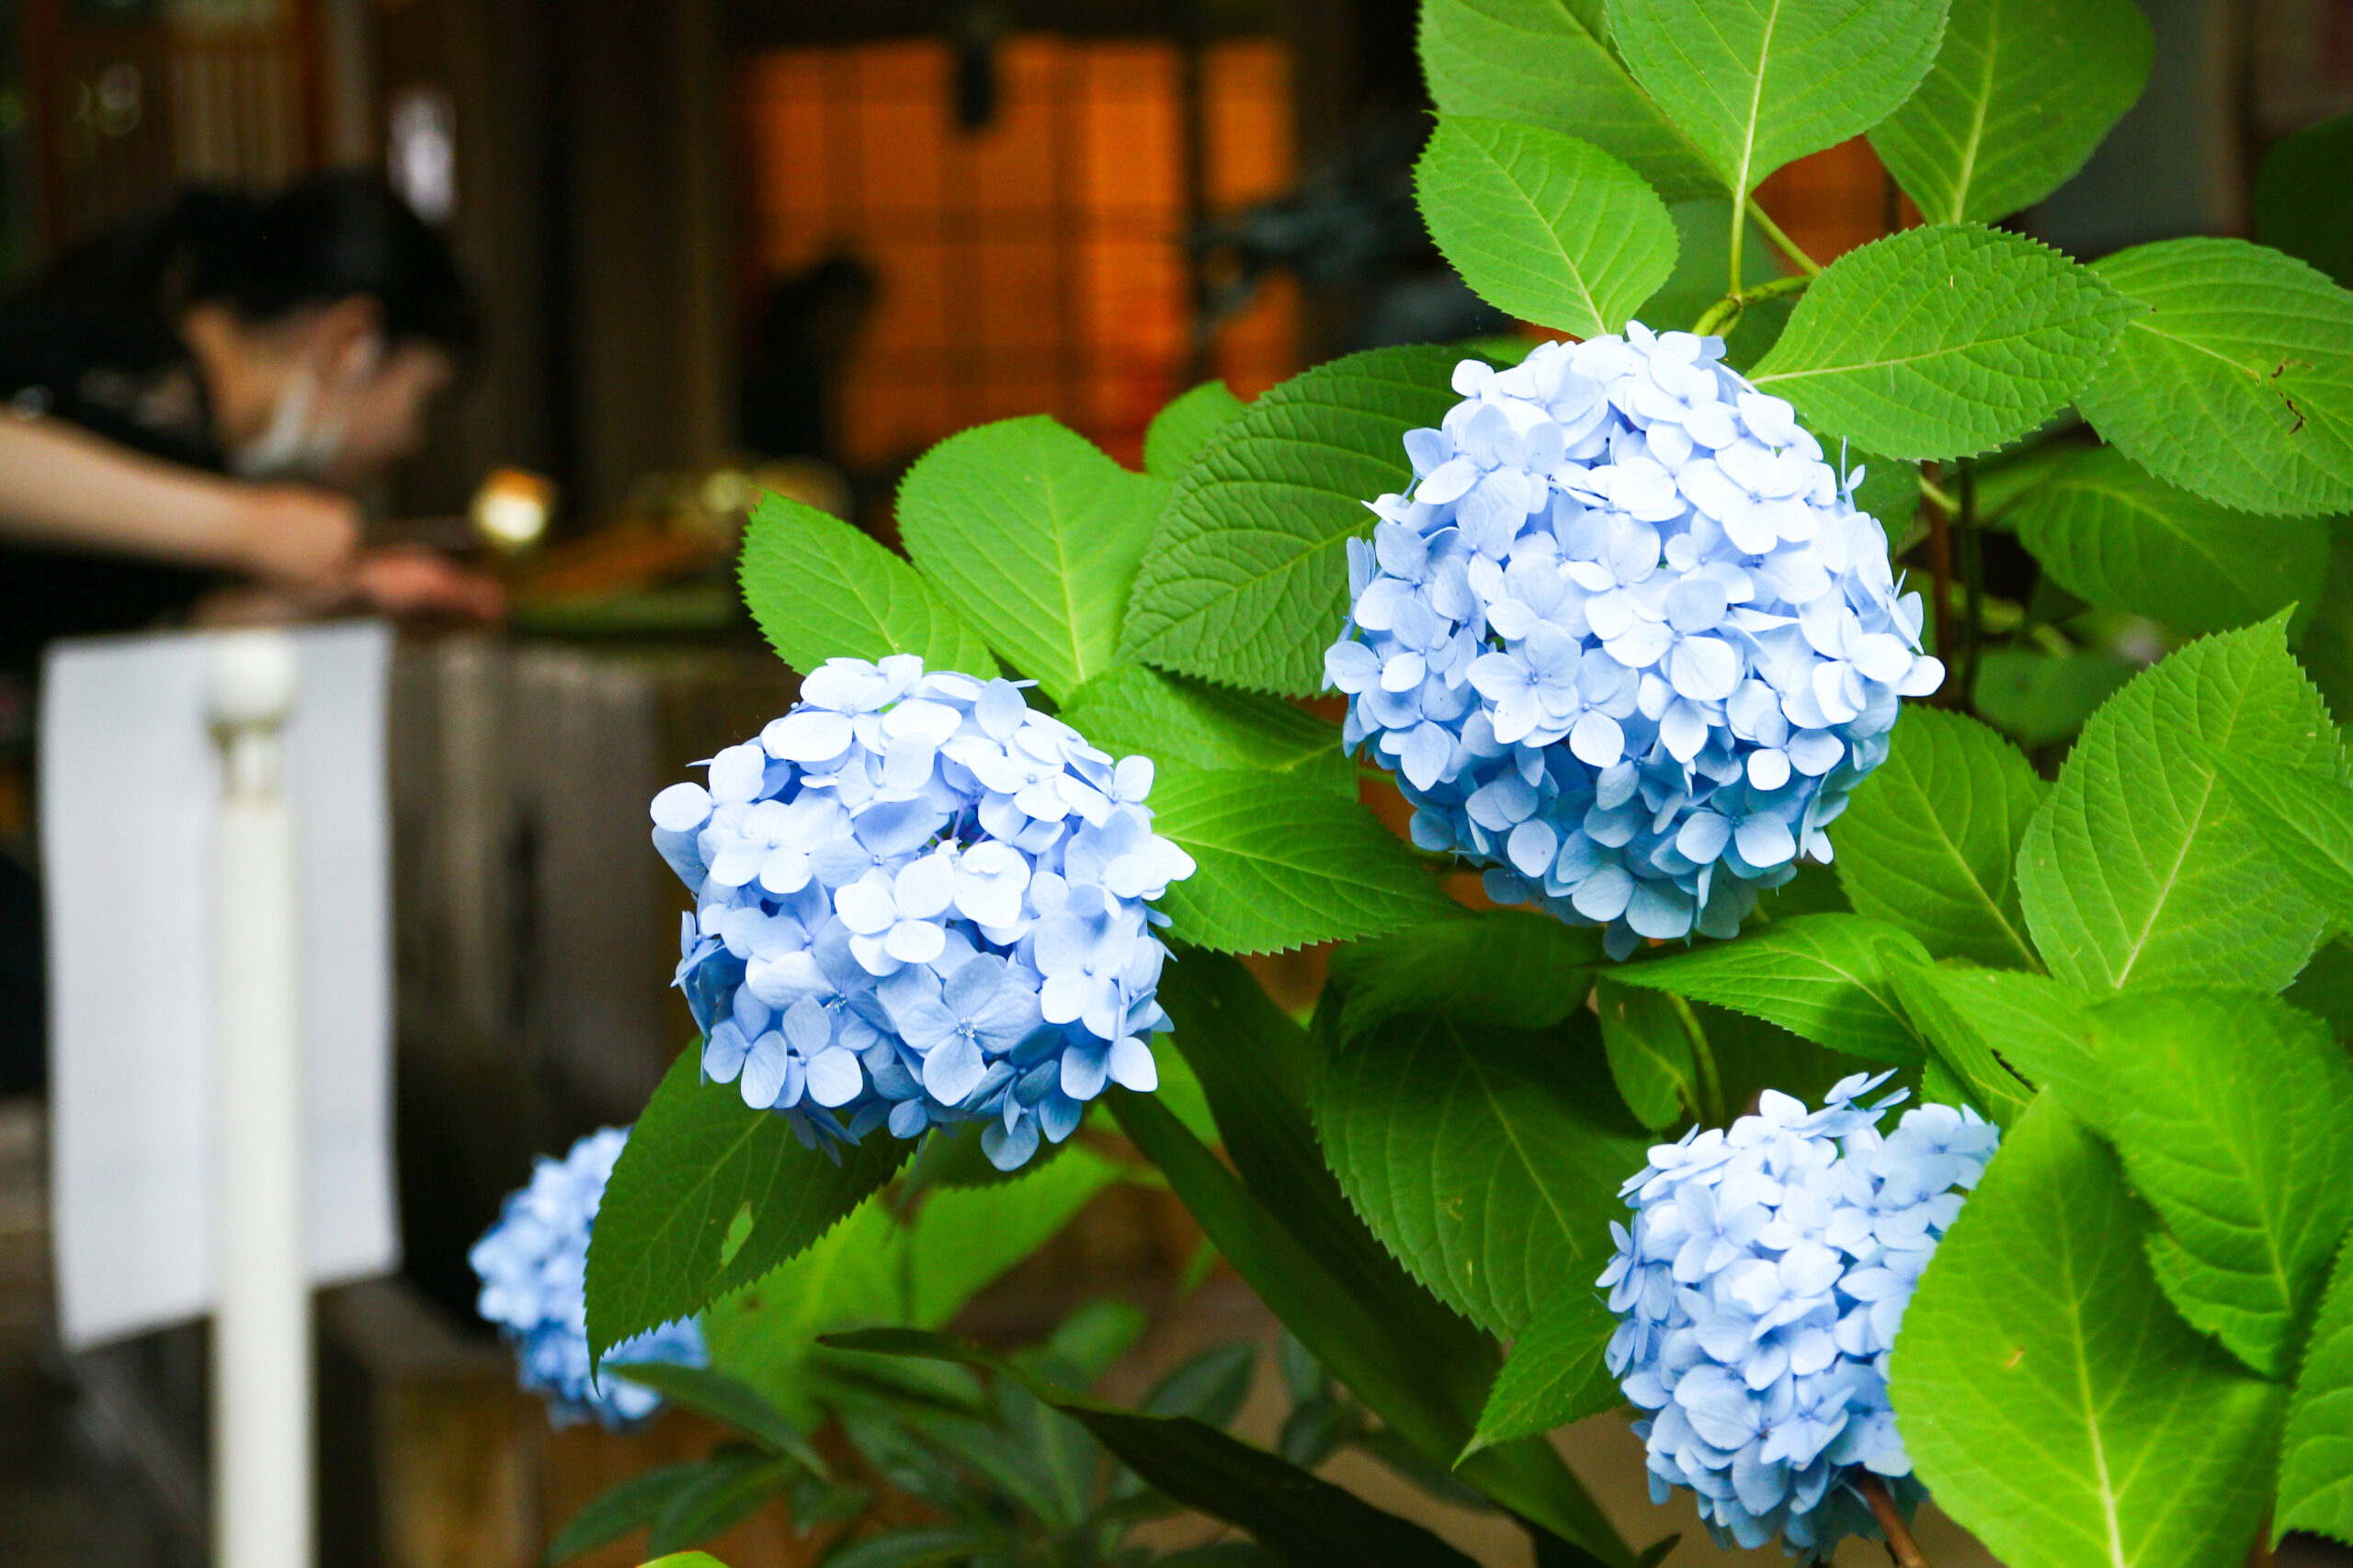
(1720, 316)
(1972, 576)
(1902, 1550)
(1781, 242)
(1939, 493)
(1937, 504)
(1703, 1057)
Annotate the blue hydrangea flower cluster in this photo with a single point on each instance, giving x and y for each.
(921, 902)
(1626, 642)
(1762, 1288)
(534, 1269)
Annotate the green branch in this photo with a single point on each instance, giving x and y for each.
(1781, 242)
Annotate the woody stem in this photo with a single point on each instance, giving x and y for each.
(1902, 1550)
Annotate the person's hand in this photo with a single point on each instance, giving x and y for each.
(293, 536)
(409, 580)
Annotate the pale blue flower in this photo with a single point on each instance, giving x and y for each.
(919, 902)
(533, 1266)
(1627, 579)
(1760, 1292)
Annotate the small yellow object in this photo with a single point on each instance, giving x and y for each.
(512, 509)
(687, 1559)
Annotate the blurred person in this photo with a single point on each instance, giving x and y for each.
(186, 404)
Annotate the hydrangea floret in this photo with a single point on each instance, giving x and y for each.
(920, 902)
(1761, 1290)
(534, 1269)
(1626, 642)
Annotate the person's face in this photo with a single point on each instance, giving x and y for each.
(380, 407)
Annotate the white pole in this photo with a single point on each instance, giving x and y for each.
(261, 1325)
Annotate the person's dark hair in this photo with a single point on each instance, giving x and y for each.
(331, 237)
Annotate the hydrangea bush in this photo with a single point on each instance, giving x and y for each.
(921, 902)
(1774, 780)
(534, 1264)
(1627, 639)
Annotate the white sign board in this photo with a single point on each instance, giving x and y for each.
(129, 784)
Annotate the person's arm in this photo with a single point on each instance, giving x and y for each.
(65, 487)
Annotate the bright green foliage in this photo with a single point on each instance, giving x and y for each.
(1751, 1055)
(822, 590)
(1183, 430)
(1702, 265)
(1649, 1046)
(1942, 342)
(1284, 862)
(1543, 226)
(1504, 966)
(2114, 537)
(1169, 718)
(2050, 1399)
(708, 1391)
(1247, 575)
(1556, 1374)
(1304, 1521)
(2138, 865)
(873, 1269)
(2022, 92)
(698, 1158)
(2299, 204)
(2307, 820)
(1756, 83)
(1930, 837)
(1034, 535)
(2039, 698)
(2230, 1109)
(2040, 1030)
(1821, 975)
(1543, 63)
(2316, 1459)
(1487, 1159)
(1957, 1049)
(2236, 380)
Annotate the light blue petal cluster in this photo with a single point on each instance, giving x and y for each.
(1761, 1289)
(921, 902)
(534, 1269)
(1626, 642)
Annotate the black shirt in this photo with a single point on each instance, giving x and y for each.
(133, 381)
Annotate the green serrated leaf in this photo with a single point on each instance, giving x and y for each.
(2052, 1401)
(2299, 204)
(1174, 719)
(873, 1269)
(2306, 819)
(614, 1511)
(2229, 1109)
(1034, 536)
(697, 1157)
(1822, 976)
(1486, 1158)
(2022, 92)
(2039, 698)
(1283, 862)
(1181, 430)
(1556, 1374)
(730, 1486)
(1758, 83)
(1544, 227)
(1959, 1049)
(1650, 1052)
(1501, 966)
(2235, 381)
(1942, 342)
(2115, 537)
(1541, 63)
(1306, 1522)
(708, 1392)
(2138, 865)
(2039, 1028)
(1929, 839)
(1245, 580)
(820, 589)
(2316, 1455)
